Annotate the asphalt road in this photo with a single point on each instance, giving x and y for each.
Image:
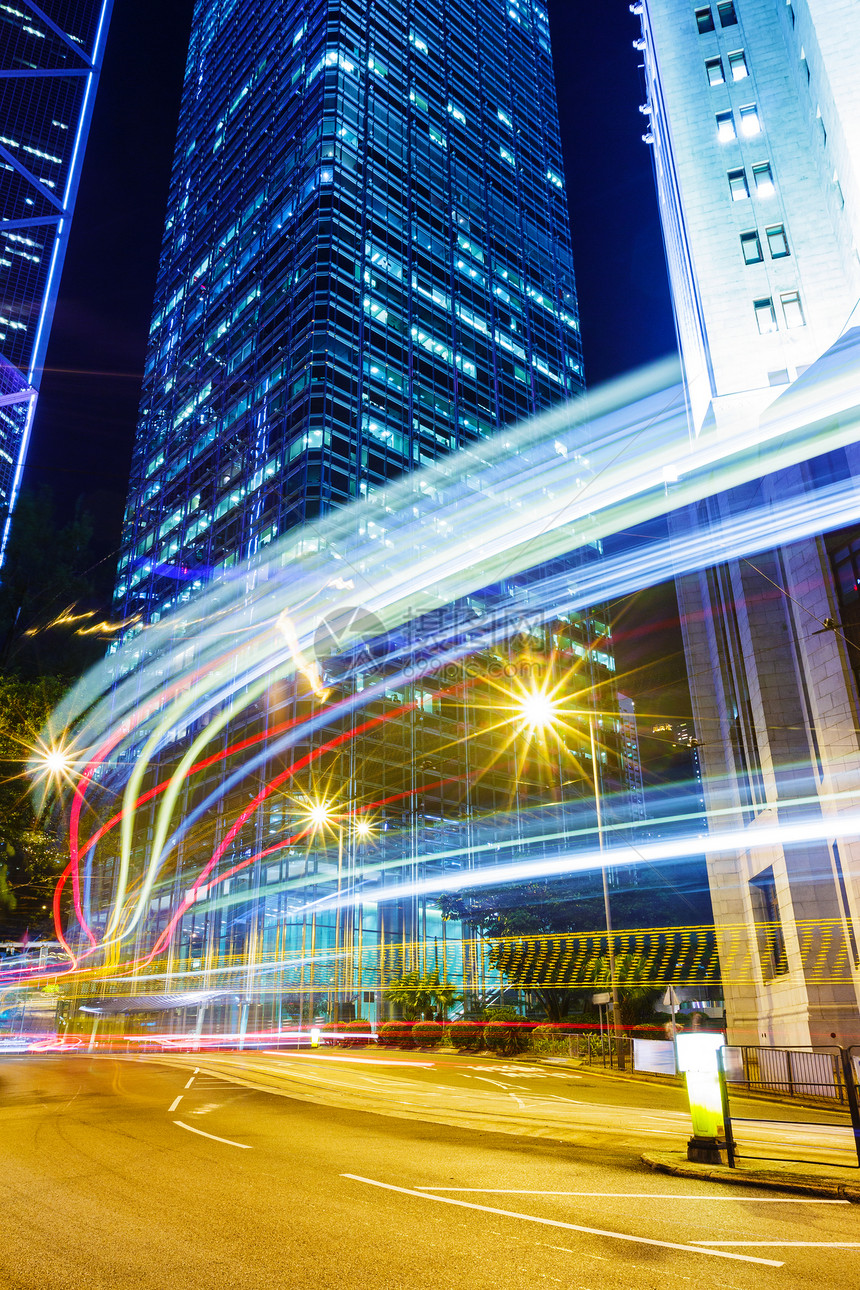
(536, 1099)
(119, 1172)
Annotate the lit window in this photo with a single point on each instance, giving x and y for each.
(738, 65)
(714, 68)
(704, 20)
(777, 242)
(763, 178)
(765, 315)
(726, 10)
(725, 127)
(751, 247)
(750, 123)
(792, 309)
(738, 185)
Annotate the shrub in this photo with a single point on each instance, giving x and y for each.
(468, 1035)
(427, 1034)
(330, 1032)
(507, 1038)
(356, 1034)
(503, 1012)
(396, 1034)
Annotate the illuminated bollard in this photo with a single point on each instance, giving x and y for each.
(315, 1036)
(697, 1058)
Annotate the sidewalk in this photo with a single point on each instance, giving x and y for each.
(832, 1181)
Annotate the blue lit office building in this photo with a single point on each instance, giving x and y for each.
(366, 264)
(50, 59)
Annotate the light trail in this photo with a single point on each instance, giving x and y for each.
(555, 486)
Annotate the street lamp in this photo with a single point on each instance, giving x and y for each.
(322, 816)
(538, 711)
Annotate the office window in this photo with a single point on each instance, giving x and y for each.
(768, 925)
(738, 65)
(777, 242)
(792, 309)
(750, 123)
(738, 185)
(726, 10)
(763, 179)
(725, 127)
(704, 20)
(751, 247)
(765, 315)
(714, 68)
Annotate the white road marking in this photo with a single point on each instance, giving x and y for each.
(245, 1146)
(806, 1245)
(492, 1081)
(570, 1227)
(190, 1082)
(638, 1195)
(174, 1104)
(518, 1101)
(196, 1070)
(336, 1057)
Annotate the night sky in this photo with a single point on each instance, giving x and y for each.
(84, 427)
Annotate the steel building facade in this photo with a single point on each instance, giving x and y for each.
(50, 59)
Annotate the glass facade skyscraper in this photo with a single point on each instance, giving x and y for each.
(50, 59)
(366, 265)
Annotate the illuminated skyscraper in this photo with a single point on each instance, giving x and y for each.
(50, 59)
(366, 264)
(754, 116)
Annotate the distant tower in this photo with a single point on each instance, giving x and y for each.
(50, 59)
(754, 116)
(631, 762)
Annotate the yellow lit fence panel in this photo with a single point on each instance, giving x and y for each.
(678, 956)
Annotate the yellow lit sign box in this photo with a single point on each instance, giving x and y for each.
(697, 1058)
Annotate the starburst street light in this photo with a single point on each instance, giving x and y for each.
(51, 761)
(320, 814)
(537, 710)
(56, 761)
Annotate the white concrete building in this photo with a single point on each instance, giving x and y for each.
(753, 113)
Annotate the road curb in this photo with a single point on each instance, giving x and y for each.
(677, 1165)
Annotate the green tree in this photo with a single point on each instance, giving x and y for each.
(636, 998)
(31, 858)
(415, 993)
(503, 914)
